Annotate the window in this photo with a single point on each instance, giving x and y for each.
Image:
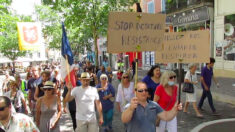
(151, 7)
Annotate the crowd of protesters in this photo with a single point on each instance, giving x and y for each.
(150, 106)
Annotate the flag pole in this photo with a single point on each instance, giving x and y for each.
(67, 67)
(138, 9)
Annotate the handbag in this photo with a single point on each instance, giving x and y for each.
(188, 87)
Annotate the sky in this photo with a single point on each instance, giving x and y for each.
(24, 7)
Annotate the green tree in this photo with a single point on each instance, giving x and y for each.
(8, 29)
(89, 17)
(51, 25)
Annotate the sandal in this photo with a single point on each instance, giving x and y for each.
(200, 116)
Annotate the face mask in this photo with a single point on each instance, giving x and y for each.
(171, 83)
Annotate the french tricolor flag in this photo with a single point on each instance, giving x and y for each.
(67, 67)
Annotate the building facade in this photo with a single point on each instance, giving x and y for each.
(151, 6)
(224, 51)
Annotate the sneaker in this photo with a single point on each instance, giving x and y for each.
(216, 114)
(106, 130)
(110, 129)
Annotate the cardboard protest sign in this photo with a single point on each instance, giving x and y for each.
(130, 31)
(190, 47)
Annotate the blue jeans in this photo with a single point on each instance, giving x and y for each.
(108, 118)
(209, 96)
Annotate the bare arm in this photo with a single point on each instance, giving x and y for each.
(169, 115)
(38, 111)
(29, 95)
(36, 93)
(25, 106)
(99, 109)
(215, 80)
(156, 98)
(118, 107)
(128, 113)
(59, 111)
(68, 96)
(204, 84)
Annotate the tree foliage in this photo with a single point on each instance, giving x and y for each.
(8, 29)
(88, 19)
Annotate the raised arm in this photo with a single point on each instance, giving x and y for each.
(128, 113)
(68, 96)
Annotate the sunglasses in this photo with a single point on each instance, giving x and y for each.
(103, 79)
(142, 90)
(125, 77)
(172, 77)
(47, 89)
(2, 108)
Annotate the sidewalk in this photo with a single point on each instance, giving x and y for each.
(223, 98)
(225, 93)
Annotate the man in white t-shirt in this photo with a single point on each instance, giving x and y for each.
(86, 98)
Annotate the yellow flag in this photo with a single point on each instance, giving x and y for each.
(29, 35)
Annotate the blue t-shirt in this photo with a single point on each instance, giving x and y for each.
(207, 76)
(151, 85)
(144, 118)
(105, 64)
(106, 104)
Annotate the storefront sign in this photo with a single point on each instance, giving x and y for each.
(128, 31)
(191, 16)
(185, 47)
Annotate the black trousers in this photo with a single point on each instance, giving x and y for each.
(209, 97)
(73, 116)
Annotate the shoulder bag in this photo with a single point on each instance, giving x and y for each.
(188, 87)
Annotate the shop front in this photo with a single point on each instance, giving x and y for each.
(225, 38)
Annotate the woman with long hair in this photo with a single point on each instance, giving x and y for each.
(166, 97)
(125, 92)
(48, 109)
(152, 79)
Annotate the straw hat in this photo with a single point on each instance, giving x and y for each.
(48, 84)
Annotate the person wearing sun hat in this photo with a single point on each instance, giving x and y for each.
(48, 109)
(86, 98)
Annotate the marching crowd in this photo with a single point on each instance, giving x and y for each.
(36, 103)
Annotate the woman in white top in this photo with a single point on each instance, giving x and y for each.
(125, 92)
(17, 98)
(191, 77)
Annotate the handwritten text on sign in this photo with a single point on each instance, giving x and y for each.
(127, 30)
(190, 47)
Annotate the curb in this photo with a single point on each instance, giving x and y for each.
(203, 125)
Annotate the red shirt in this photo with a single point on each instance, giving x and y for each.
(165, 99)
(119, 75)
